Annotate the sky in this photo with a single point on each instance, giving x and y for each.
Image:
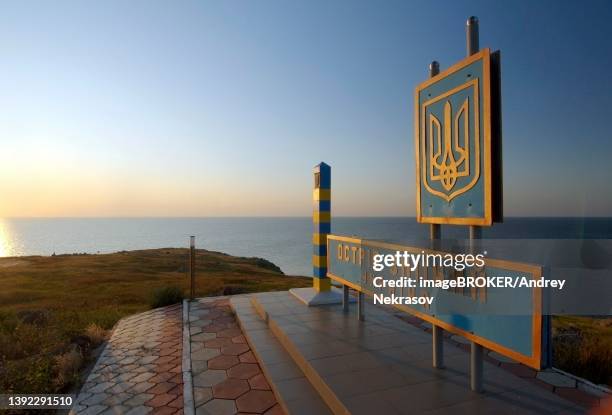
(222, 108)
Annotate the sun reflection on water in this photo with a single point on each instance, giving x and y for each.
(5, 241)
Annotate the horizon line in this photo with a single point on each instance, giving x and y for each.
(283, 217)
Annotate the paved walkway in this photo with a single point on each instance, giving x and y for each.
(374, 366)
(226, 376)
(139, 370)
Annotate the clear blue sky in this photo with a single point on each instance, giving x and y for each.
(152, 108)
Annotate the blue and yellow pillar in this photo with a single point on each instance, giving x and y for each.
(321, 220)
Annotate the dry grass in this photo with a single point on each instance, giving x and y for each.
(96, 334)
(583, 346)
(67, 367)
(49, 304)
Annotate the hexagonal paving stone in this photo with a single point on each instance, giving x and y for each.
(259, 382)
(202, 337)
(142, 377)
(275, 410)
(117, 399)
(256, 401)
(218, 342)
(195, 347)
(138, 400)
(94, 410)
(140, 410)
(195, 330)
(247, 357)
(223, 362)
(235, 349)
(209, 378)
(239, 339)
(164, 359)
(230, 388)
(217, 407)
(140, 387)
(243, 371)
(160, 400)
(120, 387)
(201, 395)
(95, 399)
(101, 387)
(229, 333)
(205, 354)
(198, 366)
(162, 387)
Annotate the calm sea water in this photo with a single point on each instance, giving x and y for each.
(284, 241)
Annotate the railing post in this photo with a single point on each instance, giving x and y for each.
(192, 267)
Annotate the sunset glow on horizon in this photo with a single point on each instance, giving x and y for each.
(222, 109)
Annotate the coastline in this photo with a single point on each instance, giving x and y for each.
(59, 308)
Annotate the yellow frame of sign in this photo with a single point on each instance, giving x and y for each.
(481, 84)
(533, 360)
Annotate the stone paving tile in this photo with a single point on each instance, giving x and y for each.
(217, 407)
(244, 370)
(139, 371)
(226, 376)
(256, 401)
(230, 389)
(223, 362)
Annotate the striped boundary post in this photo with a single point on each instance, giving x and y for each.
(321, 220)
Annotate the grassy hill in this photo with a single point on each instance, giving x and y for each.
(54, 310)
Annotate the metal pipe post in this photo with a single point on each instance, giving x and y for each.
(471, 35)
(434, 69)
(192, 267)
(476, 360)
(361, 306)
(435, 232)
(475, 232)
(345, 298)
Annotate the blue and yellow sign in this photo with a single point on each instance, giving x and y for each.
(512, 325)
(454, 116)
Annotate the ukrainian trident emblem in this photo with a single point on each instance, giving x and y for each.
(450, 142)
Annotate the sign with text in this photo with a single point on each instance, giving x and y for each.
(457, 144)
(445, 289)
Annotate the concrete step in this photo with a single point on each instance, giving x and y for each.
(290, 349)
(383, 365)
(292, 389)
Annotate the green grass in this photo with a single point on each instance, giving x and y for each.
(48, 302)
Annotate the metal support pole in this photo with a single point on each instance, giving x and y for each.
(475, 232)
(435, 233)
(437, 332)
(437, 347)
(434, 69)
(345, 298)
(471, 35)
(360, 306)
(476, 353)
(192, 267)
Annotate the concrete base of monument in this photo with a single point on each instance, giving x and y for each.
(312, 297)
(322, 360)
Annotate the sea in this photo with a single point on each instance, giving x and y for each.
(286, 241)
